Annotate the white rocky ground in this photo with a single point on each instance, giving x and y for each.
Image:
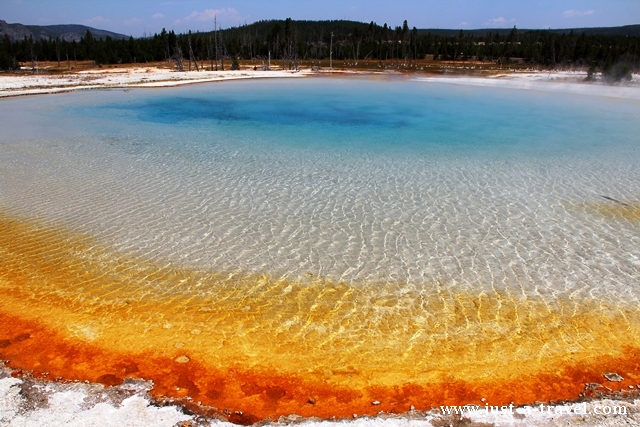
(146, 77)
(26, 402)
(556, 81)
(32, 84)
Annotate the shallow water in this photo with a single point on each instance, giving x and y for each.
(353, 180)
(331, 227)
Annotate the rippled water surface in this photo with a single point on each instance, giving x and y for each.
(354, 180)
(334, 216)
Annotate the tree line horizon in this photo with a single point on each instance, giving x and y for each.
(286, 42)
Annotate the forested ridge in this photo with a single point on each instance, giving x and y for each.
(286, 42)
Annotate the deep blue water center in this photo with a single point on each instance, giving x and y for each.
(378, 116)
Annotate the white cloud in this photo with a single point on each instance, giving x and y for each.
(225, 16)
(157, 15)
(496, 21)
(132, 21)
(95, 20)
(501, 21)
(464, 23)
(571, 13)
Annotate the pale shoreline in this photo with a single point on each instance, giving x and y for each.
(33, 402)
(119, 78)
(558, 81)
(13, 85)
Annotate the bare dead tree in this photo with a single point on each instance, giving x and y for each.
(251, 51)
(33, 58)
(215, 32)
(57, 41)
(191, 55)
(331, 53)
(223, 52)
(295, 49)
(210, 51)
(356, 47)
(178, 58)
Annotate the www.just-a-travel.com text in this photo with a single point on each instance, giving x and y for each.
(576, 409)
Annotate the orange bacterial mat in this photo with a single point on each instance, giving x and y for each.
(251, 347)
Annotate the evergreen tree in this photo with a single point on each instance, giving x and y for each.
(285, 41)
(234, 64)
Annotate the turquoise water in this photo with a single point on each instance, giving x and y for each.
(361, 180)
(386, 116)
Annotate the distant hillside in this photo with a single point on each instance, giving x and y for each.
(342, 27)
(339, 26)
(627, 30)
(68, 33)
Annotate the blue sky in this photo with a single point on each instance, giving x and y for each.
(137, 17)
